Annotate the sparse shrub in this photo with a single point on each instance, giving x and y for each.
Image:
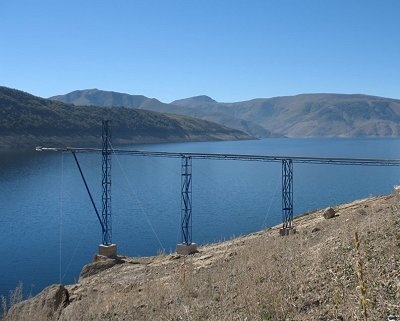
(3, 307)
(15, 297)
(338, 289)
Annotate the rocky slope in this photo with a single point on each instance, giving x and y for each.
(312, 275)
(27, 121)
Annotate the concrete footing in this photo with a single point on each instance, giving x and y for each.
(108, 250)
(186, 249)
(287, 231)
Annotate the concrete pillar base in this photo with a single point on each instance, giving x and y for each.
(108, 250)
(186, 249)
(287, 231)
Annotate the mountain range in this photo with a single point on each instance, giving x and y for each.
(27, 121)
(304, 115)
(103, 98)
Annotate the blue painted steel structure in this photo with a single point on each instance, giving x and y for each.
(105, 218)
(106, 184)
(287, 193)
(186, 177)
(186, 201)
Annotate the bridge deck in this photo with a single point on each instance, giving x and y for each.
(241, 157)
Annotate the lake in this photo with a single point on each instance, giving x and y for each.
(49, 229)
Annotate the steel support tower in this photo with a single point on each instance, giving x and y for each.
(186, 200)
(106, 184)
(287, 196)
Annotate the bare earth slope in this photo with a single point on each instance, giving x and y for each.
(308, 276)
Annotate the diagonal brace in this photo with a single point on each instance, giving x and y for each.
(88, 191)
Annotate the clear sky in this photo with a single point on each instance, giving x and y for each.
(231, 50)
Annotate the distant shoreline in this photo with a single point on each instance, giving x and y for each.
(26, 143)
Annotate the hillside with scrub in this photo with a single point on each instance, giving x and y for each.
(27, 121)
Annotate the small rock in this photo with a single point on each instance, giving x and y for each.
(361, 211)
(75, 297)
(229, 256)
(315, 229)
(205, 257)
(329, 213)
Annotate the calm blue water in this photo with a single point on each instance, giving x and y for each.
(49, 229)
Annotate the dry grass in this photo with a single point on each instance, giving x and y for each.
(360, 276)
(15, 297)
(308, 276)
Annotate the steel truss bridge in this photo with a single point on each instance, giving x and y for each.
(186, 178)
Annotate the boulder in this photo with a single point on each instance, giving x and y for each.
(329, 213)
(99, 266)
(47, 305)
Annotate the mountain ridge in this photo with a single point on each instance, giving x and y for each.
(302, 115)
(90, 97)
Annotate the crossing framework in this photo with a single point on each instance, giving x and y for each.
(186, 175)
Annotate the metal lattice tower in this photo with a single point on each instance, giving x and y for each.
(287, 193)
(186, 203)
(106, 184)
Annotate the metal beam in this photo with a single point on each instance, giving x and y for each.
(240, 157)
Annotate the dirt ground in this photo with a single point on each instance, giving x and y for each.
(320, 273)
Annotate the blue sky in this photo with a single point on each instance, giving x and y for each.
(230, 50)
